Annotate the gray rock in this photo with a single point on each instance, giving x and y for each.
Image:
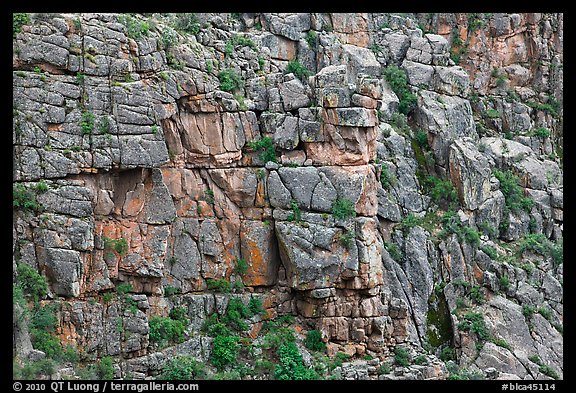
(324, 195)
(63, 267)
(398, 45)
(293, 95)
(418, 74)
(360, 60)
(352, 117)
(278, 193)
(331, 76)
(301, 183)
(159, 208)
(452, 81)
(470, 173)
(447, 118)
(286, 135)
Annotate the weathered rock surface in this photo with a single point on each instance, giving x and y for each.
(174, 162)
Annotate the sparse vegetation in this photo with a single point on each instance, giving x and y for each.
(183, 368)
(219, 285)
(474, 322)
(135, 28)
(118, 245)
(266, 148)
(230, 80)
(19, 20)
(187, 22)
(398, 81)
(299, 70)
(164, 330)
(87, 122)
(393, 251)
(343, 208)
(346, 238)
(513, 193)
(314, 341)
(402, 357)
(295, 215)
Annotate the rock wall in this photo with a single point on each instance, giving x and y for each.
(165, 159)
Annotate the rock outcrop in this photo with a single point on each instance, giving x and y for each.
(392, 181)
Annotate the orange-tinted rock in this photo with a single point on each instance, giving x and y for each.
(258, 248)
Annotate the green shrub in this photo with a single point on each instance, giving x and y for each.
(187, 22)
(24, 198)
(535, 242)
(236, 312)
(295, 215)
(488, 230)
(118, 245)
(393, 251)
(219, 285)
(552, 106)
(421, 137)
(164, 330)
(447, 353)
(384, 369)
(255, 306)
(440, 191)
(343, 208)
(314, 341)
(19, 20)
(183, 368)
(46, 342)
(241, 266)
(33, 369)
(291, 365)
(41, 186)
(402, 357)
(124, 288)
(266, 148)
(214, 327)
(105, 368)
(492, 114)
(346, 238)
(229, 80)
(135, 28)
(504, 282)
(311, 38)
(545, 312)
(171, 291)
(541, 132)
(528, 311)
(225, 351)
(398, 81)
(420, 360)
(549, 371)
(399, 122)
(513, 193)
(474, 322)
(300, 71)
(408, 222)
(476, 294)
(557, 252)
(502, 343)
(386, 179)
(471, 236)
(32, 283)
(169, 37)
(490, 251)
(179, 314)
